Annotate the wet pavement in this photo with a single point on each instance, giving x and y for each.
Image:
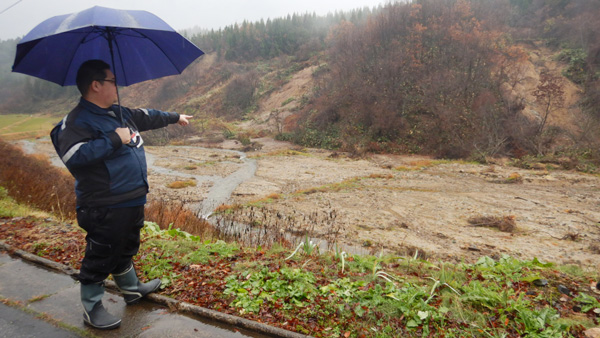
(40, 291)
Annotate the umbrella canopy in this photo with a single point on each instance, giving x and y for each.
(137, 44)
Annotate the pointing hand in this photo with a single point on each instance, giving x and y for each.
(183, 119)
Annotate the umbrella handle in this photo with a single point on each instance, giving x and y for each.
(110, 40)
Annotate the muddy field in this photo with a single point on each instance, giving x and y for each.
(405, 204)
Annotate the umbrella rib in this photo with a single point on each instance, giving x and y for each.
(160, 48)
(122, 65)
(71, 61)
(82, 41)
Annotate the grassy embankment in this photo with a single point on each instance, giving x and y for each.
(21, 126)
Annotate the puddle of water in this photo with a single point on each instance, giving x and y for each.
(222, 187)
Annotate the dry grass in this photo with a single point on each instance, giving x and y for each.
(383, 176)
(274, 196)
(174, 213)
(514, 178)
(181, 184)
(504, 224)
(260, 225)
(421, 163)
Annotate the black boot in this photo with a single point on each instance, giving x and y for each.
(131, 287)
(94, 313)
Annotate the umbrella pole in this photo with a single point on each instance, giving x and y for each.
(114, 67)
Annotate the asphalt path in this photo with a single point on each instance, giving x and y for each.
(16, 323)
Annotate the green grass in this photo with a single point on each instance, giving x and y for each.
(6, 120)
(22, 123)
(10, 208)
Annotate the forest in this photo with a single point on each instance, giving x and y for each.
(421, 77)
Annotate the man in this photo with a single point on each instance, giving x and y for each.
(108, 162)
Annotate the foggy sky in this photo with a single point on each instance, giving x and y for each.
(179, 14)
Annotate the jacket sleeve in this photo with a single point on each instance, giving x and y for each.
(78, 147)
(147, 119)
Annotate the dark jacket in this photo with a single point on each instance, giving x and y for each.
(106, 171)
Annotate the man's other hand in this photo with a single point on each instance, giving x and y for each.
(184, 119)
(124, 134)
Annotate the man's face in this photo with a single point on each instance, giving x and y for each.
(108, 89)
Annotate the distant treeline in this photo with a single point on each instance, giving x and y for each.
(297, 35)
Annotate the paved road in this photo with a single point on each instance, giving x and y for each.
(15, 323)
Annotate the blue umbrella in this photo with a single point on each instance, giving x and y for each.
(138, 45)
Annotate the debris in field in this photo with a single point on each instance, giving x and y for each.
(514, 178)
(504, 224)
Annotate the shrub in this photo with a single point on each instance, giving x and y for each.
(34, 181)
(239, 93)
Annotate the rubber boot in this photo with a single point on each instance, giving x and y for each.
(131, 287)
(94, 313)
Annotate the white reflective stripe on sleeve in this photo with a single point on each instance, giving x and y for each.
(145, 111)
(72, 152)
(64, 123)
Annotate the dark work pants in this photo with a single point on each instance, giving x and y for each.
(113, 238)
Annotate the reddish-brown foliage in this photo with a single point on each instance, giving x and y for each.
(174, 213)
(34, 181)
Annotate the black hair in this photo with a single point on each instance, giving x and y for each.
(88, 72)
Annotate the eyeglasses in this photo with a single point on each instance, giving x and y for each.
(113, 81)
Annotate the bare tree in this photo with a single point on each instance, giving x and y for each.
(550, 95)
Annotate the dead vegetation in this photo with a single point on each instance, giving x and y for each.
(255, 225)
(33, 181)
(502, 223)
(174, 214)
(181, 184)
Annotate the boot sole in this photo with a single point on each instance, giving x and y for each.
(105, 327)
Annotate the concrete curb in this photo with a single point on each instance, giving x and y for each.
(163, 300)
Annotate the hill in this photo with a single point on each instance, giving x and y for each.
(459, 79)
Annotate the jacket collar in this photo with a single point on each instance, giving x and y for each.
(96, 109)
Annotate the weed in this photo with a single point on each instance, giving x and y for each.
(164, 214)
(181, 184)
(288, 287)
(10, 208)
(287, 101)
(514, 178)
(38, 298)
(203, 253)
(154, 265)
(307, 245)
